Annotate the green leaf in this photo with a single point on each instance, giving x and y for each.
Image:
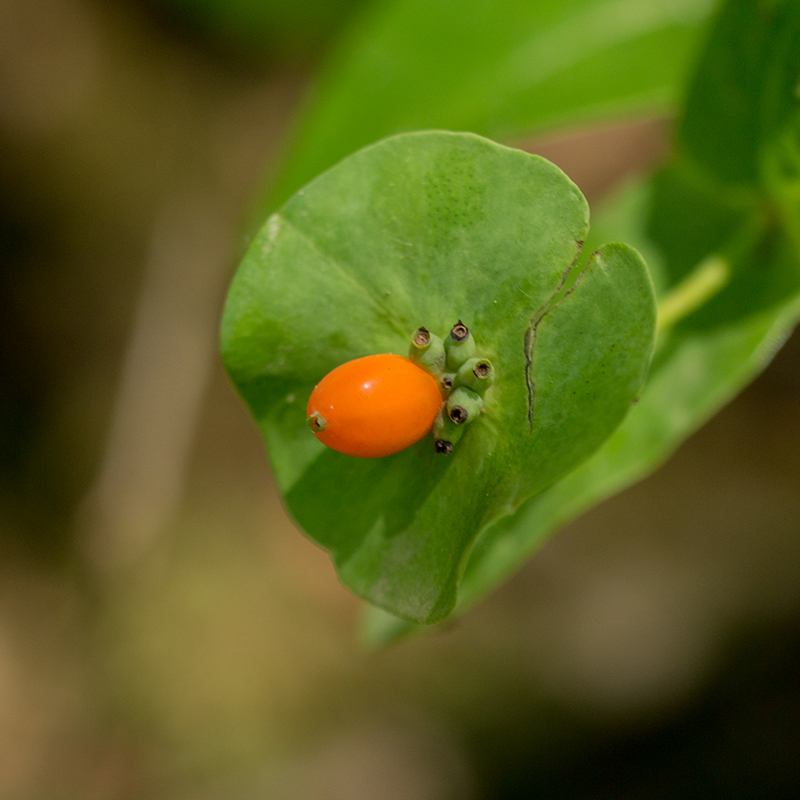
(745, 92)
(427, 229)
(687, 220)
(501, 69)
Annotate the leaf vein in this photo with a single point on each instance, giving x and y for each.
(375, 300)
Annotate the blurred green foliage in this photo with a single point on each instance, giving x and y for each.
(265, 29)
(502, 69)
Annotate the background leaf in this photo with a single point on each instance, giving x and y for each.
(426, 229)
(502, 69)
(745, 91)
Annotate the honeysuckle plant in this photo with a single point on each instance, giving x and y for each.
(600, 363)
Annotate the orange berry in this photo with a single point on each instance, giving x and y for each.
(373, 406)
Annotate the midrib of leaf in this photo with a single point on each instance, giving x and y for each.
(374, 299)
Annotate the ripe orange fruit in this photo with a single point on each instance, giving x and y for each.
(373, 406)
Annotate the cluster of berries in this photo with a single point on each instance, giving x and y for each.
(379, 405)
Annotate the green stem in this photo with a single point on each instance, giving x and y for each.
(699, 286)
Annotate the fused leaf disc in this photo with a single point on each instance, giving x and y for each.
(427, 229)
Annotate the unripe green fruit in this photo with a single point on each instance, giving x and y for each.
(463, 406)
(445, 433)
(476, 374)
(427, 351)
(459, 346)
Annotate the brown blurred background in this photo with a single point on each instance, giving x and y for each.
(165, 632)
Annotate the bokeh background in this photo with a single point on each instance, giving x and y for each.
(165, 632)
